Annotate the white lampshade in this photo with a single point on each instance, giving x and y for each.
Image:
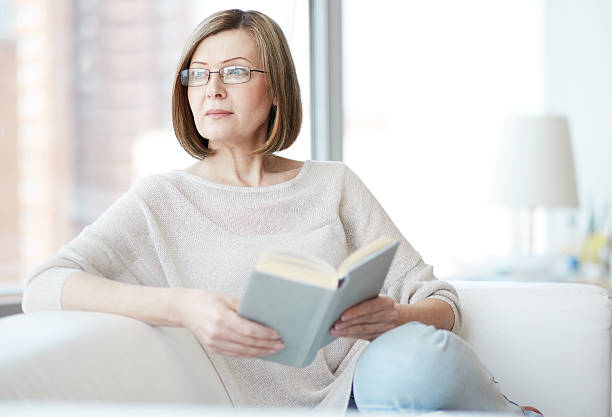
(534, 165)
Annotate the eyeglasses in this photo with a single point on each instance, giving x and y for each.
(197, 77)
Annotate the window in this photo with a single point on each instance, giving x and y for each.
(81, 119)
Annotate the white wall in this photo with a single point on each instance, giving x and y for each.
(426, 88)
(579, 85)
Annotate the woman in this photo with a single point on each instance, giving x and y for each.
(178, 248)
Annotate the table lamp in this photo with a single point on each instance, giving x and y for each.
(534, 166)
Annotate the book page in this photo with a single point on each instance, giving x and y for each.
(362, 253)
(297, 267)
(302, 258)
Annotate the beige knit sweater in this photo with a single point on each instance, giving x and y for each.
(178, 230)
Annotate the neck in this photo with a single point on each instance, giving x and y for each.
(233, 167)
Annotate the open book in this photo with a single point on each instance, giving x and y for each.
(301, 296)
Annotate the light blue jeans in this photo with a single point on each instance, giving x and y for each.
(415, 367)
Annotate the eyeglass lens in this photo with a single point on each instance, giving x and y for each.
(193, 77)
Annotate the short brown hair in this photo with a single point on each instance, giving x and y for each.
(285, 118)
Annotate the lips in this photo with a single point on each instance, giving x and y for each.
(215, 113)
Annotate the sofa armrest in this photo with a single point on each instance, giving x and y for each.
(548, 344)
(79, 355)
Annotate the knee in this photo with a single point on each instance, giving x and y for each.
(413, 366)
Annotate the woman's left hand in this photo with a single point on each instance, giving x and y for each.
(367, 320)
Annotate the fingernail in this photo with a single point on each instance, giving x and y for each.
(279, 346)
(346, 317)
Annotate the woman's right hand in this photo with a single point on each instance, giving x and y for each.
(212, 317)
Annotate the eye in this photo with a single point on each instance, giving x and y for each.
(198, 73)
(236, 71)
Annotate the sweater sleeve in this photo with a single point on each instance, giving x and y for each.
(409, 279)
(107, 248)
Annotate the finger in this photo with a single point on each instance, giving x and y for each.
(233, 349)
(372, 317)
(383, 316)
(367, 307)
(368, 337)
(362, 329)
(233, 303)
(239, 338)
(251, 341)
(249, 329)
(244, 326)
(357, 310)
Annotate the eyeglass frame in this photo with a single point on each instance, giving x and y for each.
(180, 74)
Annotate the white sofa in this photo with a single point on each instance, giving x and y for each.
(548, 344)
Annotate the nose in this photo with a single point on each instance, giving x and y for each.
(215, 87)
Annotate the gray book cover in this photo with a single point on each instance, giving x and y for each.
(302, 313)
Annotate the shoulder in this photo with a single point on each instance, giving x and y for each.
(328, 174)
(336, 169)
(153, 186)
(334, 174)
(330, 167)
(146, 184)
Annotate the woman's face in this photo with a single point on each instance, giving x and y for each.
(232, 113)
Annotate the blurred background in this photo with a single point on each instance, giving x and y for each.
(425, 89)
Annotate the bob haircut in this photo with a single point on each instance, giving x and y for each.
(285, 119)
